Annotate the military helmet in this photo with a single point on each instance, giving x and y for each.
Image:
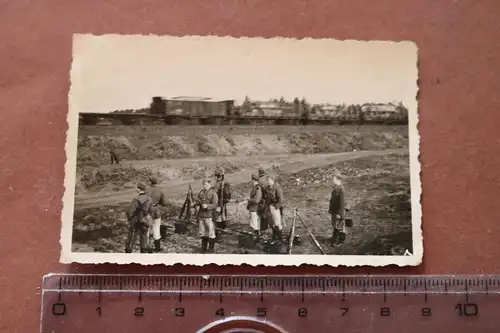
(153, 180)
(141, 186)
(219, 171)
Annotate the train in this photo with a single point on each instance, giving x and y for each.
(207, 111)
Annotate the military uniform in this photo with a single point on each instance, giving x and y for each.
(275, 203)
(113, 156)
(223, 190)
(205, 218)
(337, 211)
(254, 205)
(158, 200)
(263, 211)
(140, 221)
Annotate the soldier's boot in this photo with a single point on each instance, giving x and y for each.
(204, 244)
(279, 235)
(256, 235)
(128, 250)
(274, 234)
(211, 245)
(157, 245)
(335, 237)
(144, 250)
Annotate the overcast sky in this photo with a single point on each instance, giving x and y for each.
(124, 72)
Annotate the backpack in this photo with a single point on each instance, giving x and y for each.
(141, 215)
(224, 192)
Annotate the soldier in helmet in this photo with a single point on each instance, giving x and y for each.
(223, 190)
(337, 210)
(140, 221)
(158, 201)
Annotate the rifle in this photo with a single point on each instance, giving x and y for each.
(186, 207)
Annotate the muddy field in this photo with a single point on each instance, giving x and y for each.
(376, 180)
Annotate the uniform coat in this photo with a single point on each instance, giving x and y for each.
(337, 208)
(135, 228)
(337, 203)
(275, 196)
(255, 198)
(158, 200)
(145, 201)
(210, 199)
(223, 192)
(263, 182)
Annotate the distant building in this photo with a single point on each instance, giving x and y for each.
(379, 107)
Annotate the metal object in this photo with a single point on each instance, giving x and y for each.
(139, 303)
(315, 241)
(292, 232)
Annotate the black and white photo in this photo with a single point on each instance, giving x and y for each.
(223, 150)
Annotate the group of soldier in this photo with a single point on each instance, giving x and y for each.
(265, 205)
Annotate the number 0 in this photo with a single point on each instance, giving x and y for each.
(59, 309)
(426, 312)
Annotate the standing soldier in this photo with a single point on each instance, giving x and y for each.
(223, 190)
(112, 154)
(139, 219)
(275, 202)
(207, 201)
(263, 210)
(337, 210)
(254, 206)
(157, 199)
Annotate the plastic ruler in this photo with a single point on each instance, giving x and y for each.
(309, 304)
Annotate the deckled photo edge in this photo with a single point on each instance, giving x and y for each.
(68, 199)
(68, 256)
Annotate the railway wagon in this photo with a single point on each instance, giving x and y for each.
(195, 107)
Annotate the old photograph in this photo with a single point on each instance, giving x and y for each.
(262, 151)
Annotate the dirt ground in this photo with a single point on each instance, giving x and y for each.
(377, 184)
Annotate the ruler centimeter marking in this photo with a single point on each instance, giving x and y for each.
(148, 284)
(283, 299)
